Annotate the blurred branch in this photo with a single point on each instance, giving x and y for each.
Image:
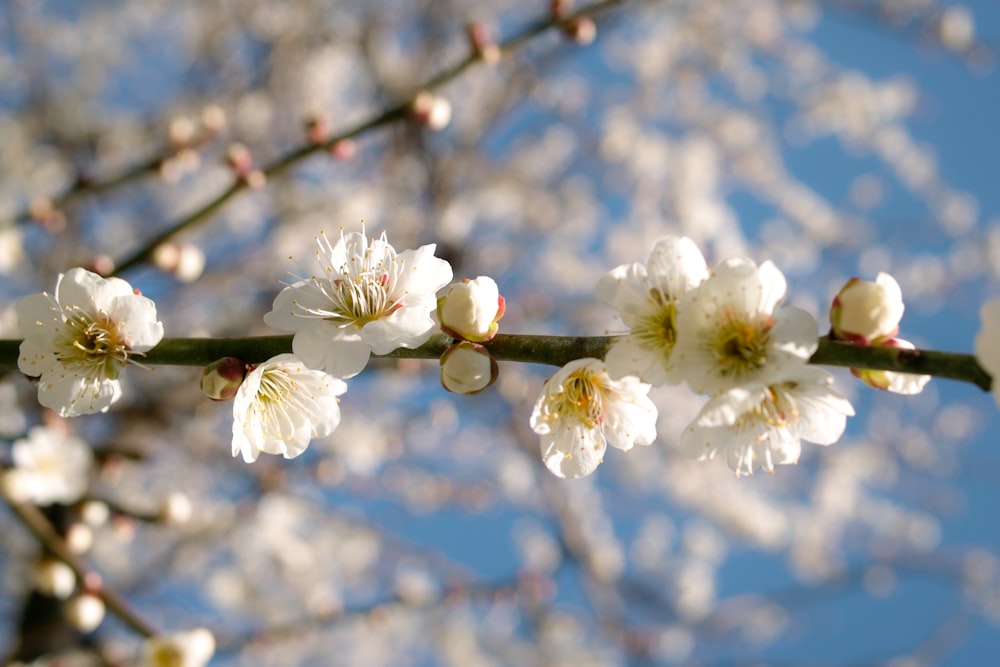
(393, 114)
(39, 526)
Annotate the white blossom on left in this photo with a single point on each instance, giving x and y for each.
(49, 467)
(581, 411)
(281, 406)
(79, 339)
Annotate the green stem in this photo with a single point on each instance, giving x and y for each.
(551, 350)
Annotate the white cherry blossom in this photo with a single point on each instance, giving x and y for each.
(367, 299)
(762, 425)
(281, 406)
(79, 339)
(646, 297)
(731, 331)
(581, 410)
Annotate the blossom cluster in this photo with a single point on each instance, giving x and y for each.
(723, 331)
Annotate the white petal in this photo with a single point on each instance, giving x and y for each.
(325, 346)
(676, 265)
(572, 453)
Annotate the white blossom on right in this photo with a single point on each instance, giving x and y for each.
(732, 332)
(581, 410)
(646, 296)
(762, 425)
(987, 344)
(281, 406)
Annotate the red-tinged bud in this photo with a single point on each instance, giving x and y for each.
(221, 379)
(431, 111)
(102, 265)
(482, 44)
(213, 119)
(581, 30)
(866, 312)
(343, 149)
(560, 7)
(318, 127)
(239, 158)
(471, 309)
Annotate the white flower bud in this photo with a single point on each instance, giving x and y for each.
(467, 368)
(866, 312)
(84, 611)
(471, 310)
(54, 578)
(176, 509)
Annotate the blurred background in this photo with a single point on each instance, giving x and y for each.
(835, 137)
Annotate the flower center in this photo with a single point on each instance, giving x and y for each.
(740, 345)
(93, 347)
(582, 398)
(657, 330)
(362, 289)
(277, 395)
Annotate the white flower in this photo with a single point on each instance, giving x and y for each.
(193, 648)
(762, 425)
(646, 297)
(581, 411)
(987, 345)
(368, 299)
(281, 406)
(907, 384)
(50, 467)
(467, 368)
(866, 312)
(730, 331)
(471, 310)
(79, 340)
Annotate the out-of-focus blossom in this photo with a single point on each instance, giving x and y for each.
(192, 648)
(367, 299)
(467, 368)
(85, 611)
(987, 344)
(646, 297)
(79, 340)
(731, 331)
(471, 310)
(762, 425)
(581, 410)
(49, 467)
(281, 406)
(54, 578)
(866, 312)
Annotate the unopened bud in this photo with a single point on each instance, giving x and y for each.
(84, 611)
(471, 310)
(318, 127)
(213, 119)
(180, 132)
(176, 509)
(79, 538)
(343, 149)
(866, 312)
(581, 30)
(431, 111)
(221, 379)
(190, 263)
(95, 513)
(239, 158)
(467, 368)
(482, 43)
(54, 578)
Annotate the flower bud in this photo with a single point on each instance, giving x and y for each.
(176, 509)
(193, 648)
(431, 111)
(84, 611)
(866, 312)
(467, 368)
(471, 310)
(54, 578)
(221, 379)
